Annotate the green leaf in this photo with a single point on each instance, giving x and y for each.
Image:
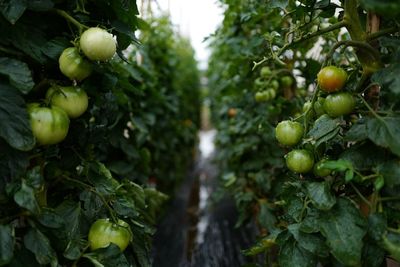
(313, 243)
(71, 213)
(40, 5)
(373, 255)
(266, 217)
(12, 10)
(324, 129)
(25, 198)
(39, 244)
(388, 77)
(379, 183)
(278, 3)
(344, 229)
(110, 256)
(13, 163)
(49, 218)
(292, 254)
(7, 241)
(261, 246)
(14, 122)
(377, 226)
(54, 47)
(385, 132)
(389, 8)
(320, 195)
(357, 132)
(18, 73)
(390, 171)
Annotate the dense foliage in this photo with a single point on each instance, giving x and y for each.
(127, 124)
(334, 198)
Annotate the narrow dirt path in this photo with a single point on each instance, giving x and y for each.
(197, 232)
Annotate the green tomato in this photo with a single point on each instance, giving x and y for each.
(331, 79)
(289, 133)
(73, 65)
(339, 104)
(73, 100)
(98, 44)
(259, 83)
(318, 106)
(299, 161)
(49, 125)
(274, 85)
(286, 81)
(319, 170)
(265, 72)
(261, 97)
(271, 94)
(103, 232)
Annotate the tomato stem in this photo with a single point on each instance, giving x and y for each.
(69, 18)
(383, 32)
(360, 195)
(92, 189)
(347, 43)
(332, 27)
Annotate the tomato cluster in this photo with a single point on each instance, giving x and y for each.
(331, 80)
(268, 85)
(50, 124)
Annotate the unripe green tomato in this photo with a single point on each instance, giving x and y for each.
(299, 161)
(319, 106)
(259, 83)
(319, 170)
(331, 79)
(274, 85)
(49, 125)
(73, 65)
(339, 104)
(73, 100)
(271, 94)
(286, 81)
(103, 232)
(289, 133)
(261, 96)
(98, 44)
(265, 72)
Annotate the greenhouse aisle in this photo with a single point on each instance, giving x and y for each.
(196, 232)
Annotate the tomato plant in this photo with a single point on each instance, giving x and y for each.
(313, 221)
(128, 112)
(103, 232)
(73, 100)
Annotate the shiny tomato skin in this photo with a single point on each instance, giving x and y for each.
(72, 99)
(339, 104)
(98, 44)
(319, 170)
(299, 161)
(289, 133)
(331, 79)
(73, 65)
(49, 125)
(103, 232)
